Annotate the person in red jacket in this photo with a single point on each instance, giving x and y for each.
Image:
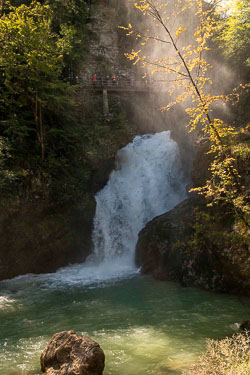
(94, 79)
(114, 80)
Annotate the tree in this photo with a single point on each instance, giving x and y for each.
(31, 62)
(72, 15)
(234, 32)
(182, 57)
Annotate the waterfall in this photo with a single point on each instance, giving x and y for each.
(148, 181)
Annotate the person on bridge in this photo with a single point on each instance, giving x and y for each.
(114, 79)
(94, 79)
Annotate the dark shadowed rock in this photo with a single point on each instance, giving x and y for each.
(37, 237)
(70, 354)
(179, 246)
(161, 243)
(245, 326)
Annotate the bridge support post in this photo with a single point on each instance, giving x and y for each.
(105, 102)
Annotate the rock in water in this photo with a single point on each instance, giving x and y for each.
(70, 354)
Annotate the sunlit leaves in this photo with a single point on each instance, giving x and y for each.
(234, 31)
(182, 60)
(181, 29)
(176, 59)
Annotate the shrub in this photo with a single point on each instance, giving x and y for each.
(230, 356)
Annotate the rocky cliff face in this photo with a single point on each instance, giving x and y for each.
(36, 239)
(105, 56)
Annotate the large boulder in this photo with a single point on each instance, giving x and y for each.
(195, 245)
(70, 354)
(161, 243)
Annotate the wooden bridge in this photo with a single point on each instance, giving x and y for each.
(118, 85)
(122, 85)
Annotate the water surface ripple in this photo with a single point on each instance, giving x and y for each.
(144, 326)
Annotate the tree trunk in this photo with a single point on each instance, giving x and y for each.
(39, 125)
(42, 132)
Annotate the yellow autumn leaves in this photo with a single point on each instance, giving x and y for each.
(184, 28)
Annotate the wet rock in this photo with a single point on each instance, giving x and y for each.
(179, 246)
(70, 354)
(161, 243)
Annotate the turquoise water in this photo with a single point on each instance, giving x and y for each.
(144, 326)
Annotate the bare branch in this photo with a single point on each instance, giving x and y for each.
(166, 67)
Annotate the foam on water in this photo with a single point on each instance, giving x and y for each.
(6, 302)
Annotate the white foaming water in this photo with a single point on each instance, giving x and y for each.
(147, 182)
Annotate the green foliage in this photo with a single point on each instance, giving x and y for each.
(69, 17)
(52, 136)
(217, 231)
(31, 62)
(40, 132)
(208, 232)
(104, 134)
(229, 356)
(234, 32)
(7, 177)
(229, 181)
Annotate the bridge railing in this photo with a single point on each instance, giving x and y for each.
(118, 82)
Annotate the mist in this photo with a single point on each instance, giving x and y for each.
(153, 42)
